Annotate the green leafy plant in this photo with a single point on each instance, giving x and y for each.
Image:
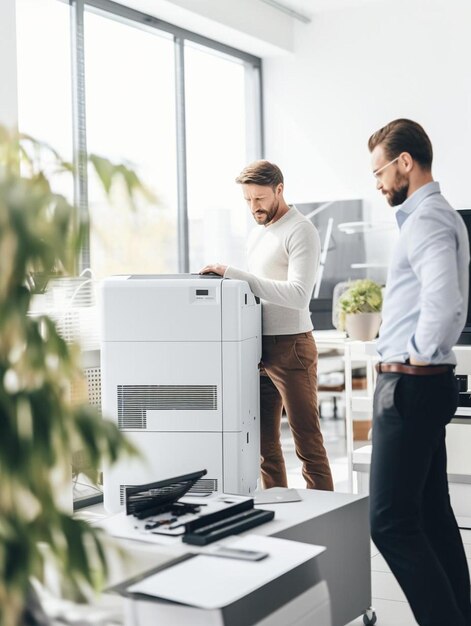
(361, 296)
(40, 427)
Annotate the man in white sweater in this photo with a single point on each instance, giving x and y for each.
(283, 258)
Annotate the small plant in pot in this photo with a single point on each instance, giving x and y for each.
(360, 309)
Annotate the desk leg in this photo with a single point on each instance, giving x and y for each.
(348, 414)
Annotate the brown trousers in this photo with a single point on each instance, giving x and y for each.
(288, 378)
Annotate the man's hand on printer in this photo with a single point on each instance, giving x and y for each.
(217, 268)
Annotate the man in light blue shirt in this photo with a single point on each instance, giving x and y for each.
(424, 312)
(426, 298)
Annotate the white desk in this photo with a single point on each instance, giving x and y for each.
(335, 520)
(340, 522)
(284, 589)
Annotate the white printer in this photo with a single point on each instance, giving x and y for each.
(179, 362)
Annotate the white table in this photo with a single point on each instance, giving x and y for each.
(284, 589)
(335, 520)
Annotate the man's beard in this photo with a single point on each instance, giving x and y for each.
(268, 215)
(398, 195)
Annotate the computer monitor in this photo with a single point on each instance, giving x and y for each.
(465, 337)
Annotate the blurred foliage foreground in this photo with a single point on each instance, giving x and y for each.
(40, 427)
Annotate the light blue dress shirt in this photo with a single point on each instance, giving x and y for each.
(426, 296)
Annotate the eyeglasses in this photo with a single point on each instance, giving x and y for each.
(380, 169)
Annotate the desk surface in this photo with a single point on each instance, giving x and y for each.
(314, 504)
(338, 521)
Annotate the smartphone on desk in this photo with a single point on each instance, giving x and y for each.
(236, 553)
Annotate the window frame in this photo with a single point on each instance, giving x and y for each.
(133, 17)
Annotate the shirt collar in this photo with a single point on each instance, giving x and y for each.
(413, 201)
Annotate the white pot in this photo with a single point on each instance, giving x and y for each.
(362, 326)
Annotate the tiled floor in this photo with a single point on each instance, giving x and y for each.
(388, 601)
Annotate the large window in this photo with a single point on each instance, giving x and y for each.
(182, 110)
(217, 151)
(130, 94)
(44, 78)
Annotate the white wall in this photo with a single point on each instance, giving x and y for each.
(8, 87)
(354, 70)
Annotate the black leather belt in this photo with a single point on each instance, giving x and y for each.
(414, 370)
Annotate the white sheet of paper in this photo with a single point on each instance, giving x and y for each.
(213, 582)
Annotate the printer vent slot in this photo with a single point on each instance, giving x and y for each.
(135, 400)
(203, 486)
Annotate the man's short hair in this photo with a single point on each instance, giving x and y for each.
(260, 173)
(404, 135)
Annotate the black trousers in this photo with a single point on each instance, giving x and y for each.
(412, 522)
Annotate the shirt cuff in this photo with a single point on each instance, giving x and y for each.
(415, 354)
(233, 272)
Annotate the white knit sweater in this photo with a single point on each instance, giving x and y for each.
(283, 259)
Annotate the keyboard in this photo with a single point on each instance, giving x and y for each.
(228, 526)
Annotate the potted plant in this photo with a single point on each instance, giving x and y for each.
(359, 309)
(40, 427)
